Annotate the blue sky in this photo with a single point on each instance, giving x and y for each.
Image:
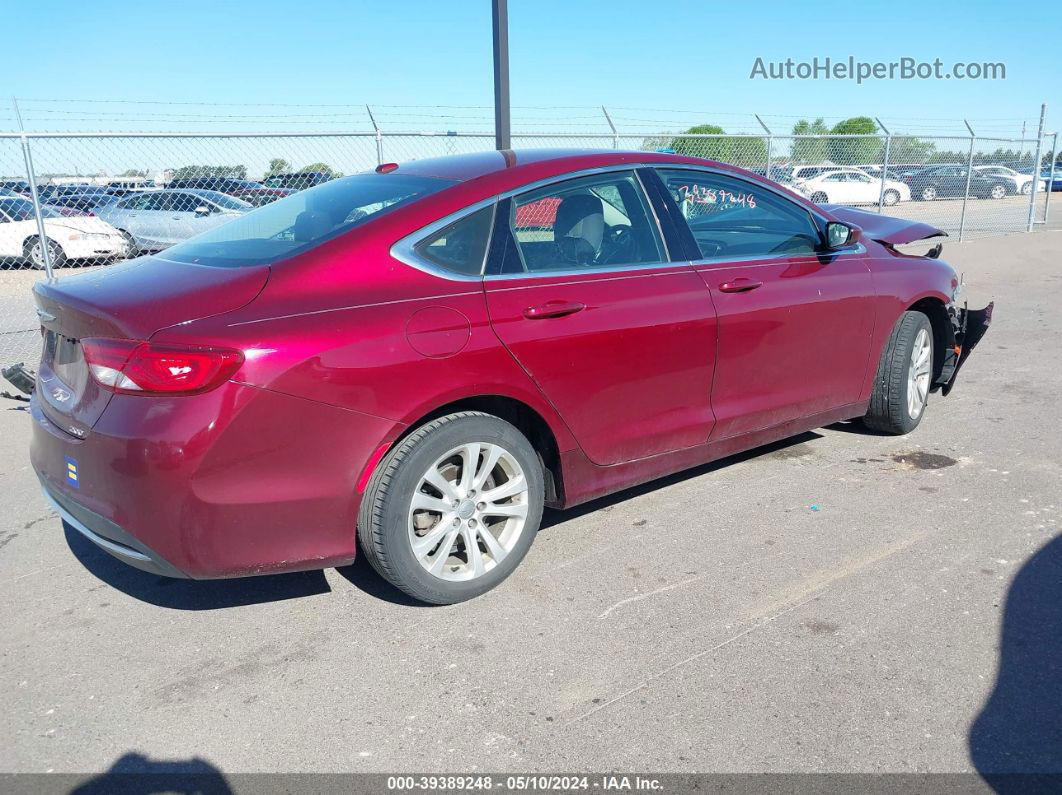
(255, 60)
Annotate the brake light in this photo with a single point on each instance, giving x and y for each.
(144, 368)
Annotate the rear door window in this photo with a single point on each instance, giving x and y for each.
(602, 221)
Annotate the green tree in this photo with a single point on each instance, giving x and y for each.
(132, 172)
(191, 172)
(854, 151)
(737, 150)
(320, 168)
(277, 165)
(809, 150)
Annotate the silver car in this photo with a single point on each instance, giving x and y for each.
(155, 220)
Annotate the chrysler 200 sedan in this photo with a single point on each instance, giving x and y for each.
(418, 359)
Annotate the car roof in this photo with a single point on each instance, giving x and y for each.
(480, 164)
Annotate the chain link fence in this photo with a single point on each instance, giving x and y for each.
(104, 197)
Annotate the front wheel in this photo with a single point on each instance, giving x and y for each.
(929, 193)
(904, 375)
(891, 197)
(451, 511)
(998, 191)
(34, 254)
(1026, 189)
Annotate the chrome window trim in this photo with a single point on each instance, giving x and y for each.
(770, 259)
(403, 249)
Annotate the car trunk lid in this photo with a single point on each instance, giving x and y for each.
(128, 301)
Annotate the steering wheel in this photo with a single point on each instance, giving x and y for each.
(618, 243)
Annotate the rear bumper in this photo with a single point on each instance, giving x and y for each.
(108, 536)
(234, 482)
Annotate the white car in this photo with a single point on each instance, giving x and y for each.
(1015, 181)
(852, 186)
(76, 237)
(154, 220)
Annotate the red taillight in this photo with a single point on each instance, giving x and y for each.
(386, 168)
(144, 368)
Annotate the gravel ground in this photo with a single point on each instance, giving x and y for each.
(837, 602)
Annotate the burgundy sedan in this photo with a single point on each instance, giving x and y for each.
(417, 360)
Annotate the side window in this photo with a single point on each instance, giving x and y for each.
(602, 221)
(460, 247)
(149, 201)
(185, 202)
(838, 177)
(730, 217)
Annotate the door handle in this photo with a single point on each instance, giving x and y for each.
(553, 309)
(740, 285)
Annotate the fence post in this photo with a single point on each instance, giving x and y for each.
(969, 176)
(770, 142)
(31, 177)
(885, 165)
(379, 137)
(615, 135)
(1050, 178)
(1036, 167)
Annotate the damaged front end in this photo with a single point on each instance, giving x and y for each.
(966, 329)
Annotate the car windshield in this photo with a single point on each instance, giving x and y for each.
(22, 209)
(300, 222)
(223, 200)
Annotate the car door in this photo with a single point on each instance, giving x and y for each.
(145, 218)
(10, 239)
(837, 187)
(794, 323)
(618, 335)
(862, 189)
(179, 221)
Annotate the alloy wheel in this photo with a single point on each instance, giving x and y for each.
(918, 374)
(468, 511)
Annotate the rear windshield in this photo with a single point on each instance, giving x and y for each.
(300, 222)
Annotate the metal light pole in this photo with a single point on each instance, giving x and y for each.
(501, 74)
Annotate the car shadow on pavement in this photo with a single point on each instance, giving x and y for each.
(363, 576)
(1016, 741)
(136, 773)
(784, 448)
(193, 594)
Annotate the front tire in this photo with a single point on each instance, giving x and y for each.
(904, 375)
(929, 193)
(451, 511)
(998, 191)
(1026, 189)
(891, 198)
(35, 256)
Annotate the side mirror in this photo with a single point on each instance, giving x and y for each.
(202, 210)
(840, 235)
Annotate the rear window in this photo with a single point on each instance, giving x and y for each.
(303, 221)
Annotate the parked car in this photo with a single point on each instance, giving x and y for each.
(1015, 181)
(852, 186)
(298, 180)
(1055, 179)
(395, 359)
(49, 192)
(19, 186)
(84, 203)
(240, 188)
(66, 238)
(938, 182)
(154, 220)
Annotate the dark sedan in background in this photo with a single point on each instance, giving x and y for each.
(937, 182)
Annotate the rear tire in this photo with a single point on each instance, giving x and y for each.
(904, 375)
(1026, 189)
(428, 521)
(33, 254)
(929, 193)
(997, 191)
(891, 197)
